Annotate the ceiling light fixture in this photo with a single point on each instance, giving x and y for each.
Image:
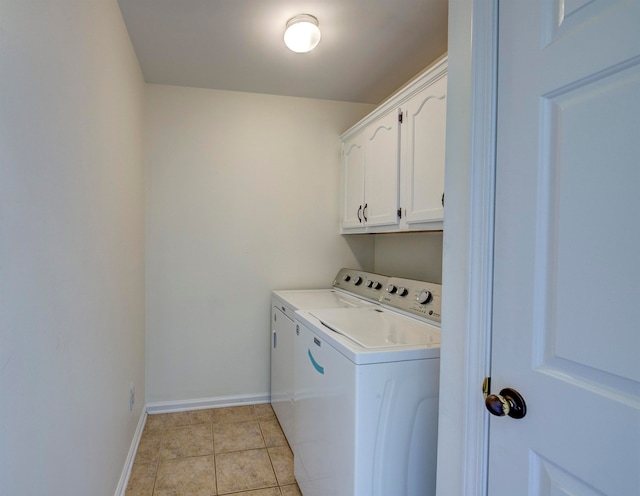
(302, 33)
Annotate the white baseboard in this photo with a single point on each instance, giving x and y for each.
(203, 403)
(126, 471)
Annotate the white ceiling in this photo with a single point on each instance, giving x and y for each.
(369, 48)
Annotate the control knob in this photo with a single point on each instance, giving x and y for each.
(424, 297)
(346, 278)
(376, 285)
(402, 291)
(357, 281)
(369, 283)
(391, 288)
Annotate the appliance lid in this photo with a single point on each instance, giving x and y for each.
(319, 298)
(375, 328)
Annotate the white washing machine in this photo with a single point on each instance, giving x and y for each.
(366, 395)
(351, 289)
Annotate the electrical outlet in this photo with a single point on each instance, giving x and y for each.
(132, 396)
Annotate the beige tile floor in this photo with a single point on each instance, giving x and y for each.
(237, 451)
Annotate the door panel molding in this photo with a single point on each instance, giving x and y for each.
(551, 480)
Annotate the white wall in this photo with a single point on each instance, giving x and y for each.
(72, 246)
(410, 255)
(242, 198)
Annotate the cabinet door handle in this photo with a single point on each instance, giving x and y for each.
(364, 212)
(443, 199)
(359, 210)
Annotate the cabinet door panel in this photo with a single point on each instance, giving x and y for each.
(382, 155)
(425, 153)
(353, 182)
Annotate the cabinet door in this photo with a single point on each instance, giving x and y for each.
(423, 164)
(353, 182)
(381, 179)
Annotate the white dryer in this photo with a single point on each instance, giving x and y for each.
(351, 289)
(366, 392)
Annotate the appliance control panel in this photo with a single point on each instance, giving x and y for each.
(360, 283)
(420, 298)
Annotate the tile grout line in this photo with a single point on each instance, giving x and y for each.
(162, 439)
(213, 454)
(155, 477)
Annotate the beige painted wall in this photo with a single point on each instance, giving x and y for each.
(242, 198)
(72, 246)
(410, 255)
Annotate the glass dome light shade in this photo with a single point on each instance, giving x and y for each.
(302, 33)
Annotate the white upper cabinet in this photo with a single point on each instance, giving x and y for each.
(382, 152)
(353, 182)
(393, 161)
(423, 157)
(370, 176)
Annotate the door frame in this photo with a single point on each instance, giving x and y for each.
(463, 436)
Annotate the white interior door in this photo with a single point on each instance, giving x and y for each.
(566, 325)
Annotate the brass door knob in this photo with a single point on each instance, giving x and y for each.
(509, 402)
